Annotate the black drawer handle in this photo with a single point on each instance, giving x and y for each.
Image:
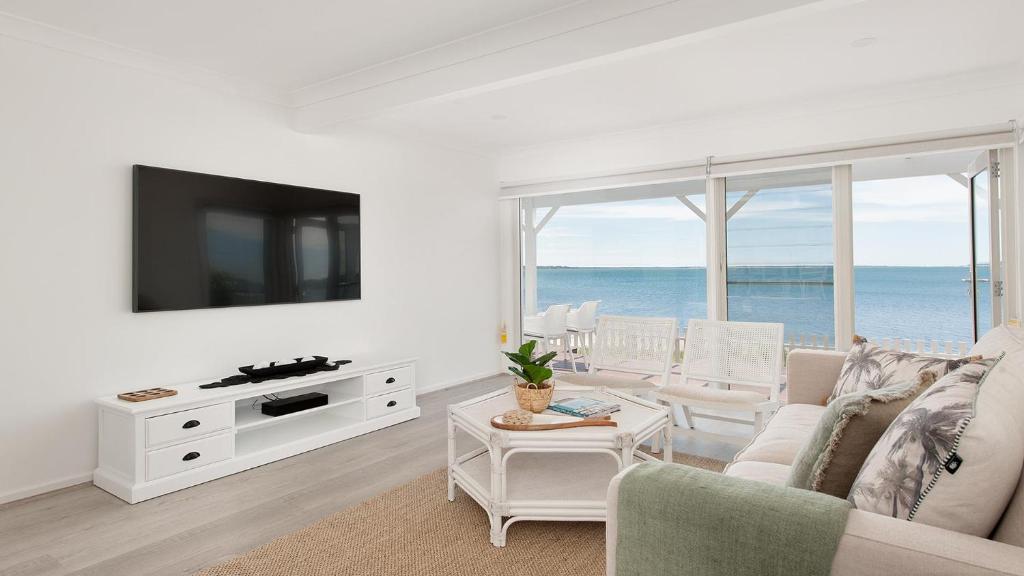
(392, 403)
(389, 381)
(190, 424)
(191, 456)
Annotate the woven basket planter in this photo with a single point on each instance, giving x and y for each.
(535, 400)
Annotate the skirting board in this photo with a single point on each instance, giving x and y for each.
(44, 488)
(421, 390)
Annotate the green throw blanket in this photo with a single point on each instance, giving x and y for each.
(676, 520)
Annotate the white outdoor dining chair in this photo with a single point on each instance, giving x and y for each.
(630, 345)
(720, 355)
(549, 329)
(581, 323)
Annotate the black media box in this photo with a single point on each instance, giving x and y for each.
(294, 404)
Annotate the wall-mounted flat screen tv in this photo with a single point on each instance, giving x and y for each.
(204, 241)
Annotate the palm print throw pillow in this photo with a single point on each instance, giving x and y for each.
(922, 451)
(869, 367)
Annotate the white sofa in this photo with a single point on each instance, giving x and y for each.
(872, 544)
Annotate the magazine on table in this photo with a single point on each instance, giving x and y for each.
(584, 407)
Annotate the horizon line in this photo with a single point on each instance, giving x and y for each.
(766, 266)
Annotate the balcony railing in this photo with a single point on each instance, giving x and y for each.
(940, 348)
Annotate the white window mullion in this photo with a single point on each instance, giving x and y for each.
(511, 273)
(716, 273)
(842, 247)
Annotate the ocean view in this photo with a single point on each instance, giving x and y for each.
(891, 302)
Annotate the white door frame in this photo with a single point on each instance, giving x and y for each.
(987, 161)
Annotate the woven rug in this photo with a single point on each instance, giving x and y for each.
(414, 530)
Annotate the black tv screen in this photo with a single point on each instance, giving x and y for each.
(204, 241)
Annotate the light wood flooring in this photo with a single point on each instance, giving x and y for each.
(83, 530)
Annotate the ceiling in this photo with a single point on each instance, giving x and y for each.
(499, 75)
(801, 61)
(287, 45)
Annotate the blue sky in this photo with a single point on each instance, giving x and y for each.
(897, 222)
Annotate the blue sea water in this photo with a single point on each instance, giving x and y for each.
(923, 303)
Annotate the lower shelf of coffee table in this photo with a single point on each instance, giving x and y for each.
(547, 476)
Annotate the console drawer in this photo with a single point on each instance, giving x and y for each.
(169, 461)
(387, 403)
(381, 382)
(161, 430)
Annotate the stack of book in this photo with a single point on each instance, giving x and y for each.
(584, 407)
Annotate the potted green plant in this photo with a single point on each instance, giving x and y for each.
(534, 392)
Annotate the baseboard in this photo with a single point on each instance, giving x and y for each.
(452, 383)
(44, 488)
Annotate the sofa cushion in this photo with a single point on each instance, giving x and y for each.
(760, 471)
(1008, 340)
(999, 340)
(953, 458)
(784, 435)
(846, 432)
(869, 367)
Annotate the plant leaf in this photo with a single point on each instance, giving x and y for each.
(518, 358)
(545, 358)
(527, 348)
(519, 373)
(537, 374)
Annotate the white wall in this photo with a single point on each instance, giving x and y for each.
(70, 129)
(951, 105)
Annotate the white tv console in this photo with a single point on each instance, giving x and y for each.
(150, 448)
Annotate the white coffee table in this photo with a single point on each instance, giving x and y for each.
(553, 474)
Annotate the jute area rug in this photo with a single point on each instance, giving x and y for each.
(414, 530)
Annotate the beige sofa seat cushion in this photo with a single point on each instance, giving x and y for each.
(761, 471)
(784, 436)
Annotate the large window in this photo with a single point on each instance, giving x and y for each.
(912, 258)
(779, 252)
(639, 251)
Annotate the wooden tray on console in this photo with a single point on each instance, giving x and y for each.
(147, 394)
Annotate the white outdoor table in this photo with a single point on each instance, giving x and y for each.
(552, 474)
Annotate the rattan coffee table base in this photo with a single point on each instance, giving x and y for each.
(552, 474)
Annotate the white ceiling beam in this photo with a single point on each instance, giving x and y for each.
(607, 195)
(581, 35)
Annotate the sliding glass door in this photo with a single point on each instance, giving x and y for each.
(912, 255)
(779, 252)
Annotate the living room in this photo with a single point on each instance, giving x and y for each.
(718, 224)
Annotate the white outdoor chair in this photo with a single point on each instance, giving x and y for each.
(719, 355)
(549, 329)
(581, 323)
(630, 345)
